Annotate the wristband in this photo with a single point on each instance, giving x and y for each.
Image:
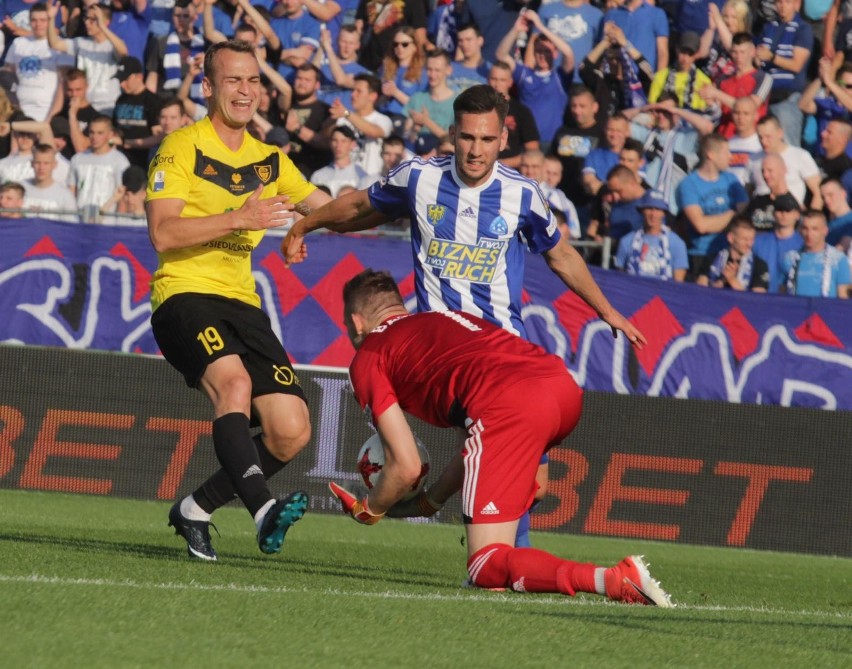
(347, 114)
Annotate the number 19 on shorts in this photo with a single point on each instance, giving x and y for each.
(211, 340)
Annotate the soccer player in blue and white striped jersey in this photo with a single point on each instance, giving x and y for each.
(470, 219)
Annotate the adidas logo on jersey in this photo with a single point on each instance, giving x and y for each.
(468, 213)
(490, 509)
(210, 171)
(252, 471)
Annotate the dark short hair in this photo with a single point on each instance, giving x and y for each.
(372, 80)
(631, 144)
(740, 221)
(439, 53)
(742, 38)
(393, 140)
(480, 99)
(469, 26)
(235, 45)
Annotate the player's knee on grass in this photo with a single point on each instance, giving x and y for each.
(489, 566)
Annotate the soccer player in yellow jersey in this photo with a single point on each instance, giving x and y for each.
(213, 191)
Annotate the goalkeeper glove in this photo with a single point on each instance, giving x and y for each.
(355, 507)
(419, 506)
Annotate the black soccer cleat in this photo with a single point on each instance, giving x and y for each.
(278, 520)
(196, 533)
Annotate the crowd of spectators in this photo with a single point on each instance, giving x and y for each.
(706, 140)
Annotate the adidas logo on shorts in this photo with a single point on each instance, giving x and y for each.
(490, 509)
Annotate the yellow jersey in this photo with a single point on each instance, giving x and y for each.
(194, 165)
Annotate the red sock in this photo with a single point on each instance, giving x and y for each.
(529, 570)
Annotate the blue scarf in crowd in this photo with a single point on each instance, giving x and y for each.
(172, 65)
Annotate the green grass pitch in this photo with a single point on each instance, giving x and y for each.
(96, 582)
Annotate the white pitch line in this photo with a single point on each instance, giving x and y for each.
(467, 596)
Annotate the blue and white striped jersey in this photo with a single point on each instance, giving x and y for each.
(467, 241)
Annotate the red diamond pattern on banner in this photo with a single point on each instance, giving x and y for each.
(329, 291)
(338, 354)
(574, 314)
(44, 247)
(815, 330)
(659, 325)
(744, 338)
(526, 298)
(290, 290)
(141, 276)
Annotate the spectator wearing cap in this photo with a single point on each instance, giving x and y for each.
(736, 267)
(774, 245)
(684, 80)
(97, 54)
(646, 27)
(653, 251)
(342, 171)
(127, 203)
(45, 195)
(784, 49)
(136, 112)
(37, 67)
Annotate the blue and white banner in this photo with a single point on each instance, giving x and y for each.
(87, 287)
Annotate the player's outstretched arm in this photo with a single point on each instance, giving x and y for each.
(568, 265)
(350, 213)
(168, 231)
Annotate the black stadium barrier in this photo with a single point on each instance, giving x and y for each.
(689, 471)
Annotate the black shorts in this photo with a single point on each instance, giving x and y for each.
(194, 329)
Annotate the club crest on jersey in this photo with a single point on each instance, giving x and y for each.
(498, 226)
(263, 172)
(436, 213)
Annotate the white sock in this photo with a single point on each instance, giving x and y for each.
(190, 510)
(261, 514)
(600, 585)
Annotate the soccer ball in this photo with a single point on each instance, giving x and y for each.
(371, 459)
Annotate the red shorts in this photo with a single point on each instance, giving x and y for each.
(505, 444)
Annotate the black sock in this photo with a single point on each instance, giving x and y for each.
(218, 489)
(239, 458)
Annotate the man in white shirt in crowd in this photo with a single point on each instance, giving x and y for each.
(36, 66)
(342, 171)
(369, 125)
(96, 173)
(43, 194)
(803, 175)
(97, 54)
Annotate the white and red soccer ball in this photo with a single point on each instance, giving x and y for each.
(371, 459)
